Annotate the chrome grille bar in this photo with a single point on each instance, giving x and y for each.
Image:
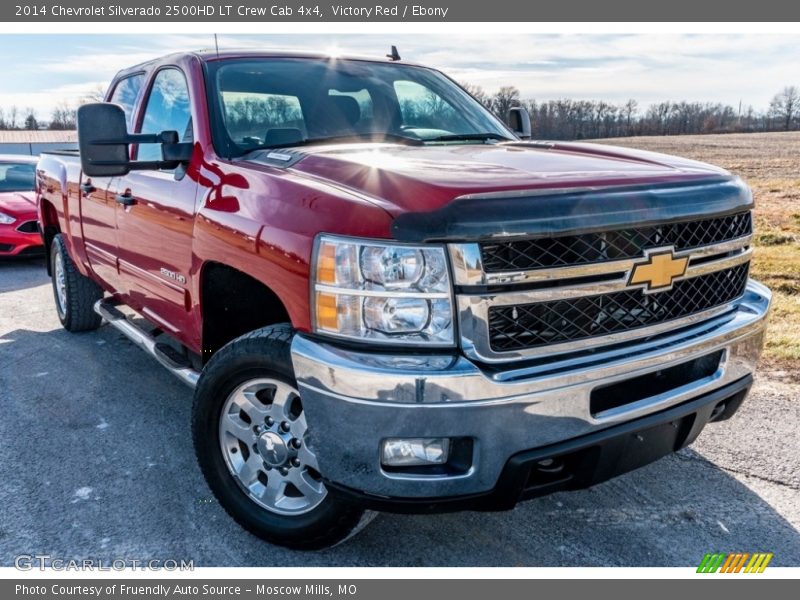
(468, 267)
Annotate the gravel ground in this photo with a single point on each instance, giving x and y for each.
(97, 462)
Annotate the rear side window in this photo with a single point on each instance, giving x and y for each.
(125, 94)
(167, 109)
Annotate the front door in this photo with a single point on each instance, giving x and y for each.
(156, 216)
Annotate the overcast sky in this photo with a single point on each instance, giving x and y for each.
(39, 70)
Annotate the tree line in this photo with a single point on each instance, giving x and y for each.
(63, 116)
(561, 119)
(569, 119)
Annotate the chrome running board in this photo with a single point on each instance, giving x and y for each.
(147, 342)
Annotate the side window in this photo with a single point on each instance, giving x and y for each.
(167, 109)
(125, 94)
(421, 107)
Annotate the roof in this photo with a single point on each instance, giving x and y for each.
(18, 158)
(210, 55)
(41, 136)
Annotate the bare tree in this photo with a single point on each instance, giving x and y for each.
(506, 97)
(95, 94)
(603, 116)
(64, 117)
(13, 115)
(629, 109)
(478, 93)
(785, 106)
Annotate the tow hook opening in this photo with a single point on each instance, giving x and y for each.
(726, 408)
(550, 465)
(719, 409)
(555, 470)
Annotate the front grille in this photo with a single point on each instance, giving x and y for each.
(545, 253)
(6, 247)
(525, 326)
(29, 227)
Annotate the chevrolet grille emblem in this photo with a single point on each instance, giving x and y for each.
(659, 270)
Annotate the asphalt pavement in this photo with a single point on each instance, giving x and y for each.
(96, 462)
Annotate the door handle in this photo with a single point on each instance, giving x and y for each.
(87, 187)
(125, 199)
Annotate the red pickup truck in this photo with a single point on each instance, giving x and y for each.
(385, 298)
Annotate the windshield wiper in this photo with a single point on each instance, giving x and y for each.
(468, 137)
(375, 136)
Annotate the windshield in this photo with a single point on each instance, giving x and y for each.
(17, 177)
(276, 102)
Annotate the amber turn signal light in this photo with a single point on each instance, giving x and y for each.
(327, 311)
(326, 264)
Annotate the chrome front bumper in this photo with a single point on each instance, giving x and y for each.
(355, 400)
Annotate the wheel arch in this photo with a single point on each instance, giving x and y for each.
(50, 227)
(233, 303)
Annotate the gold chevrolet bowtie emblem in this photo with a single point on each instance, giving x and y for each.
(658, 271)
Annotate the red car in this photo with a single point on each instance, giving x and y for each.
(19, 234)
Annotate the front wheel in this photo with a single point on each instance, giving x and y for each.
(251, 440)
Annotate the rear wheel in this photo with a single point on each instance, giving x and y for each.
(74, 293)
(251, 440)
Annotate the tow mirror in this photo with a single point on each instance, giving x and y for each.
(520, 122)
(103, 141)
(102, 144)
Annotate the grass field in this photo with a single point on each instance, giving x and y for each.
(770, 163)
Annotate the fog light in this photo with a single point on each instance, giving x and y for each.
(415, 452)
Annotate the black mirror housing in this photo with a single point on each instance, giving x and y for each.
(102, 140)
(520, 122)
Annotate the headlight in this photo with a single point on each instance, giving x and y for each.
(6, 219)
(382, 292)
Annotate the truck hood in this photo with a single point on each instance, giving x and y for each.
(18, 203)
(424, 178)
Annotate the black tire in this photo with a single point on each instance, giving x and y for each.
(264, 353)
(76, 309)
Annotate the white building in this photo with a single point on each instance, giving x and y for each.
(33, 142)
